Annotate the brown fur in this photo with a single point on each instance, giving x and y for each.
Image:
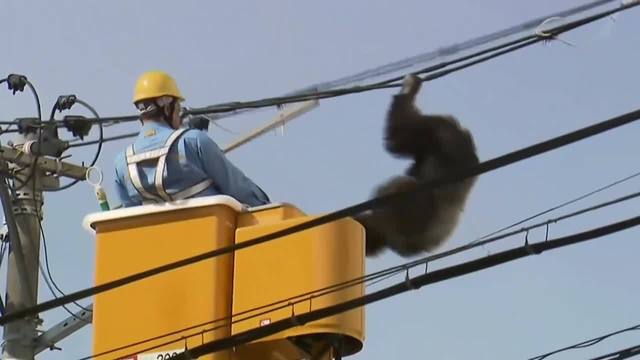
(438, 144)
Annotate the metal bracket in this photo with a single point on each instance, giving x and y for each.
(47, 164)
(49, 338)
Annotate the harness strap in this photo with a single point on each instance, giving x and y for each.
(192, 190)
(162, 163)
(132, 168)
(161, 156)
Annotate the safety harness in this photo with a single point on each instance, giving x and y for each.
(160, 155)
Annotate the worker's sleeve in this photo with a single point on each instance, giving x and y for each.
(228, 179)
(121, 187)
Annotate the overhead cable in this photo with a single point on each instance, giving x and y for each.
(312, 94)
(371, 279)
(506, 48)
(100, 141)
(105, 140)
(586, 343)
(561, 205)
(413, 283)
(481, 168)
(621, 354)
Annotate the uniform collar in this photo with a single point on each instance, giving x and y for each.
(152, 128)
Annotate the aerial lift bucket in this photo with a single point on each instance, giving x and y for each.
(192, 305)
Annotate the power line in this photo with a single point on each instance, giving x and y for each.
(371, 279)
(233, 319)
(481, 168)
(100, 141)
(39, 111)
(105, 140)
(506, 48)
(407, 285)
(621, 354)
(50, 275)
(586, 343)
(561, 205)
(447, 50)
(503, 48)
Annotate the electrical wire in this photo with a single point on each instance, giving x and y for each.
(299, 96)
(36, 97)
(561, 205)
(238, 317)
(449, 50)
(506, 48)
(369, 279)
(621, 354)
(35, 159)
(481, 168)
(100, 141)
(414, 283)
(53, 292)
(586, 343)
(50, 276)
(106, 139)
(47, 276)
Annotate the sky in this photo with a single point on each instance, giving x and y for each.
(332, 157)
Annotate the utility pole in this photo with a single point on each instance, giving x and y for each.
(28, 163)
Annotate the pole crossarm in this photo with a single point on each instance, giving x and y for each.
(47, 164)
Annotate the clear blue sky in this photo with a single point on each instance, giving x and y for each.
(332, 157)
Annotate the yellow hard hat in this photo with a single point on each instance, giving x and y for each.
(154, 84)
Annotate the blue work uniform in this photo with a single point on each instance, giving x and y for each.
(164, 164)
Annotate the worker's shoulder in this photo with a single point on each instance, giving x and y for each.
(196, 136)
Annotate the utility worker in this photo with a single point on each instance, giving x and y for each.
(167, 162)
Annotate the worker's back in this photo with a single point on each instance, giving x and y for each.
(194, 167)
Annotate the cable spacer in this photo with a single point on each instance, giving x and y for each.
(407, 280)
(528, 246)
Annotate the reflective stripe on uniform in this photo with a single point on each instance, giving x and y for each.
(192, 190)
(134, 175)
(161, 156)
